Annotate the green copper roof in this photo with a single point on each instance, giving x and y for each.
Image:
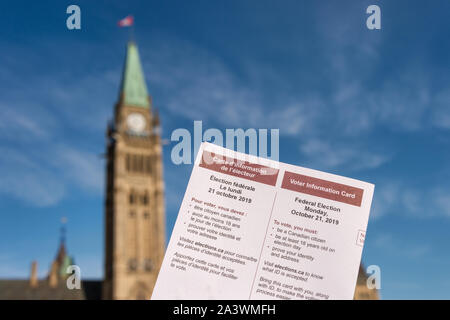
(133, 85)
(67, 261)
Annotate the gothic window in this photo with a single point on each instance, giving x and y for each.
(132, 197)
(132, 214)
(146, 215)
(132, 264)
(138, 163)
(145, 199)
(148, 265)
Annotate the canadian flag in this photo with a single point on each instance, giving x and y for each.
(126, 22)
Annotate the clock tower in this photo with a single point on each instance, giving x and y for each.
(134, 208)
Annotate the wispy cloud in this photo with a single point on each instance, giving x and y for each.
(26, 179)
(394, 246)
(385, 200)
(44, 179)
(38, 169)
(43, 128)
(334, 120)
(194, 83)
(400, 199)
(83, 168)
(327, 155)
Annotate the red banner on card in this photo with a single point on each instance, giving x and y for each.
(322, 188)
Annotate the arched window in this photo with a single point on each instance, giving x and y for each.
(145, 198)
(132, 264)
(132, 197)
(148, 265)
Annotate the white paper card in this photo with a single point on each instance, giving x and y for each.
(252, 228)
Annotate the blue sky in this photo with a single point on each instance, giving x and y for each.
(371, 105)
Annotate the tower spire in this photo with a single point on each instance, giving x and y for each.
(61, 256)
(133, 90)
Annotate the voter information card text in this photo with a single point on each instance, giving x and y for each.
(253, 228)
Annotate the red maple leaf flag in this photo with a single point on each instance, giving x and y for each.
(126, 22)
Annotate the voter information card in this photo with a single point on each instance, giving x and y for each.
(252, 228)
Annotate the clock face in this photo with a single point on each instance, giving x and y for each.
(136, 122)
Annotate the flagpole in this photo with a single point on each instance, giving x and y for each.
(131, 34)
(132, 30)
